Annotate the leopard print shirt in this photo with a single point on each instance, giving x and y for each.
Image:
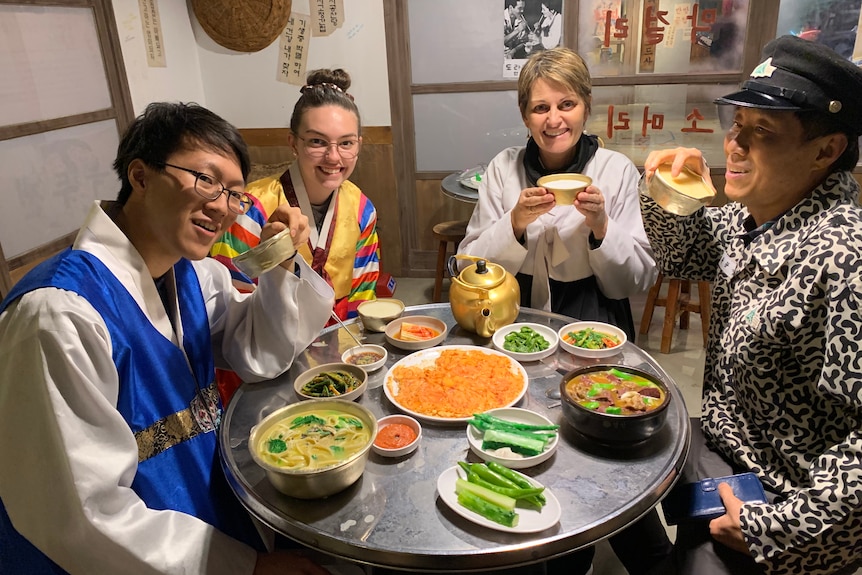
(782, 392)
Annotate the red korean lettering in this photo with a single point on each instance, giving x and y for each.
(622, 118)
(656, 121)
(652, 31)
(693, 118)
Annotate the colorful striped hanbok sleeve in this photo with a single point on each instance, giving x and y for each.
(366, 265)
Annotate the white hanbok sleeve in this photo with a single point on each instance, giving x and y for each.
(489, 232)
(261, 333)
(68, 459)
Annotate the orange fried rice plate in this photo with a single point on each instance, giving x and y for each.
(458, 384)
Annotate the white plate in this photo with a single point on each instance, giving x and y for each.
(549, 334)
(474, 437)
(599, 327)
(427, 357)
(530, 520)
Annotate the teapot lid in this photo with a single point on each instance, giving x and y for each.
(483, 274)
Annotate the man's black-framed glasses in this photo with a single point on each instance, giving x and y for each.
(210, 187)
(317, 147)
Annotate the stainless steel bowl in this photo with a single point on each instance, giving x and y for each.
(266, 255)
(681, 196)
(304, 484)
(612, 429)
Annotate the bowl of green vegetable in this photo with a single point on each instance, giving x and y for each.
(592, 339)
(515, 437)
(332, 381)
(526, 341)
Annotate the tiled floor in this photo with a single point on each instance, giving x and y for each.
(684, 364)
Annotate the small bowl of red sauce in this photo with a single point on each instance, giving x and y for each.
(369, 357)
(397, 435)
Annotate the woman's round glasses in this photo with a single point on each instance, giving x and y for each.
(210, 187)
(317, 147)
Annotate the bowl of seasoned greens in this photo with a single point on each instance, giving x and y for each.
(343, 381)
(592, 339)
(526, 341)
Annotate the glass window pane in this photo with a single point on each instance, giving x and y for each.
(635, 120)
(51, 179)
(677, 38)
(456, 41)
(50, 62)
(459, 131)
(834, 23)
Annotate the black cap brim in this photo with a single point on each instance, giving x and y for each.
(752, 99)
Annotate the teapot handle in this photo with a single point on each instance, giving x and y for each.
(453, 259)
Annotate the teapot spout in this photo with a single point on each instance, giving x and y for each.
(485, 324)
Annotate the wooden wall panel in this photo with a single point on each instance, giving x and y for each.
(432, 207)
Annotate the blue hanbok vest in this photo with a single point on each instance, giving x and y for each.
(159, 398)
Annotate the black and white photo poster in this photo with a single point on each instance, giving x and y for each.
(529, 26)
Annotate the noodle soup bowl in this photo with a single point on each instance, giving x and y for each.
(608, 428)
(307, 481)
(308, 376)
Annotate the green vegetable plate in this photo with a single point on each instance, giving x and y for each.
(592, 339)
(526, 341)
(510, 446)
(530, 518)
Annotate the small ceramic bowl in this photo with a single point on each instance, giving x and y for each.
(565, 187)
(513, 461)
(550, 336)
(393, 332)
(266, 255)
(364, 356)
(603, 328)
(353, 370)
(377, 313)
(403, 450)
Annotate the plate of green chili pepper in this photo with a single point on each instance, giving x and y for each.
(499, 498)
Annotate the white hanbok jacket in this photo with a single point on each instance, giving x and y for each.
(68, 458)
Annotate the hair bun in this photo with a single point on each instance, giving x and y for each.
(338, 78)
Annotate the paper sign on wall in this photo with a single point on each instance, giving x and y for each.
(328, 16)
(152, 27)
(293, 50)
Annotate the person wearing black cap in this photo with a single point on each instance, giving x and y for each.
(782, 393)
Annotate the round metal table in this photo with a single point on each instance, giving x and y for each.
(392, 517)
(452, 188)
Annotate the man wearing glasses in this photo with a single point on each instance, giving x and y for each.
(108, 406)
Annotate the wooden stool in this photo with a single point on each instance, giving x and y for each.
(677, 303)
(446, 233)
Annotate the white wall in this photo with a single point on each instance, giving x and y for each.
(242, 87)
(181, 79)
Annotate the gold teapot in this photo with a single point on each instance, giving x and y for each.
(483, 296)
